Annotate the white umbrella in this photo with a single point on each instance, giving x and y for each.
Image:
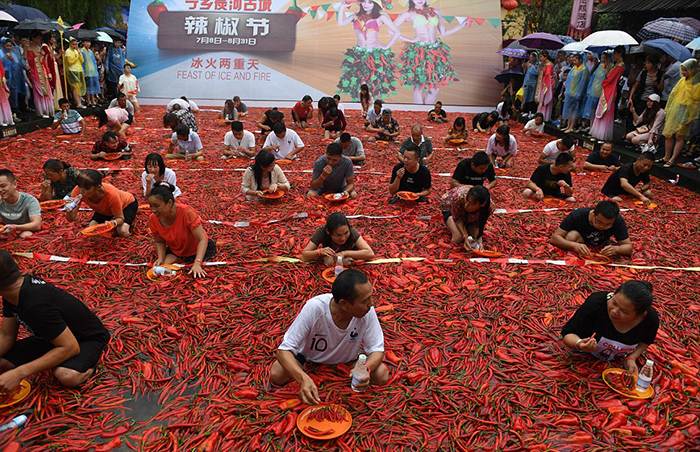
(694, 44)
(609, 38)
(574, 47)
(104, 37)
(6, 19)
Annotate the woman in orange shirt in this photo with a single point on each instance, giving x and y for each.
(178, 231)
(108, 203)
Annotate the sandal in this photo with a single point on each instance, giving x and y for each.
(669, 164)
(661, 160)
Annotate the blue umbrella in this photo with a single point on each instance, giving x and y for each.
(694, 44)
(672, 48)
(24, 12)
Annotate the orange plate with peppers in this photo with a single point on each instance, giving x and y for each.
(624, 383)
(16, 395)
(98, 229)
(650, 206)
(487, 253)
(329, 274)
(500, 171)
(283, 161)
(457, 141)
(52, 204)
(408, 195)
(537, 134)
(324, 421)
(334, 198)
(276, 195)
(554, 202)
(113, 156)
(596, 258)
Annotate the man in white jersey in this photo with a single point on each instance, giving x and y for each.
(332, 329)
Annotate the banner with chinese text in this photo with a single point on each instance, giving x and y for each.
(280, 50)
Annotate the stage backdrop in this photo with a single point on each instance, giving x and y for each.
(277, 50)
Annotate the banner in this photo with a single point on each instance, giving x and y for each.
(406, 52)
(581, 16)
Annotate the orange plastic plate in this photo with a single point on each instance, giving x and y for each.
(98, 229)
(52, 204)
(408, 195)
(113, 156)
(150, 274)
(487, 253)
(332, 197)
(613, 376)
(16, 395)
(339, 428)
(276, 195)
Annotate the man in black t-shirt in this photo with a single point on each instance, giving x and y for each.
(437, 114)
(474, 171)
(586, 227)
(65, 335)
(603, 160)
(624, 180)
(410, 175)
(268, 120)
(551, 179)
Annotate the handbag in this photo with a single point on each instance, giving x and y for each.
(642, 129)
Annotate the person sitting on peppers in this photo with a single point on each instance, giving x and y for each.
(333, 328)
(108, 203)
(65, 336)
(20, 212)
(616, 325)
(333, 173)
(410, 175)
(592, 227)
(336, 238)
(178, 232)
(386, 127)
(465, 210)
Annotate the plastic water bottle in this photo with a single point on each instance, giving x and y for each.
(644, 377)
(339, 266)
(72, 204)
(187, 155)
(163, 271)
(14, 423)
(360, 372)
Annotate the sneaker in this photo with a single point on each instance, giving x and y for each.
(697, 160)
(555, 123)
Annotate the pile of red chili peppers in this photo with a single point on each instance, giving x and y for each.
(474, 349)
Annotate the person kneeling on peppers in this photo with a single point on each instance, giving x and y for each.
(615, 325)
(332, 329)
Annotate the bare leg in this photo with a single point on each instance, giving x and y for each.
(72, 378)
(418, 96)
(680, 142)
(457, 236)
(278, 376)
(311, 194)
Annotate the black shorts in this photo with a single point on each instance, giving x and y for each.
(211, 252)
(31, 348)
(296, 118)
(130, 120)
(129, 212)
(334, 129)
(446, 214)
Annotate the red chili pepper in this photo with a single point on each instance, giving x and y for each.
(13, 446)
(119, 431)
(246, 393)
(289, 404)
(112, 444)
(291, 420)
(676, 439)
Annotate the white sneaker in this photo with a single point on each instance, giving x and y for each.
(3, 125)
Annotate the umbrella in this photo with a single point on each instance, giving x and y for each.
(566, 39)
(667, 29)
(505, 76)
(574, 47)
(38, 24)
(24, 12)
(6, 19)
(82, 35)
(694, 44)
(672, 48)
(541, 41)
(608, 38)
(104, 37)
(514, 53)
(111, 33)
(691, 22)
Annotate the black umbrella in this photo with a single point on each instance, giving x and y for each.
(24, 12)
(82, 35)
(112, 34)
(505, 76)
(38, 24)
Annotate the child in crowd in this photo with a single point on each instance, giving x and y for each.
(70, 120)
(366, 99)
(129, 85)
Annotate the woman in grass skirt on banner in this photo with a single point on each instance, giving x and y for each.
(426, 61)
(369, 62)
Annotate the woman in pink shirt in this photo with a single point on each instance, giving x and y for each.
(117, 120)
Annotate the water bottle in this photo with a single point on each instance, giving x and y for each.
(644, 377)
(163, 271)
(473, 244)
(339, 266)
(187, 155)
(72, 204)
(360, 372)
(14, 423)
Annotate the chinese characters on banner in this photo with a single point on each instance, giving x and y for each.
(201, 31)
(230, 5)
(581, 16)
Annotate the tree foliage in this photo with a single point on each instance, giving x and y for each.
(551, 17)
(95, 13)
